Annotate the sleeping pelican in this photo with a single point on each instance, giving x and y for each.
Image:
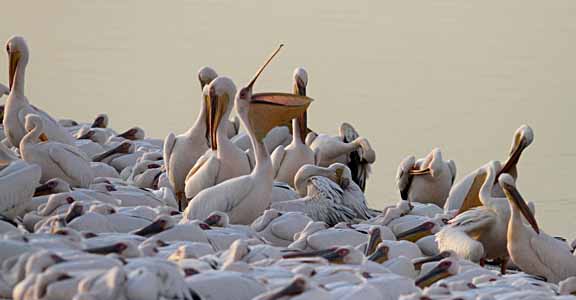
(480, 232)
(181, 152)
(464, 193)
(244, 198)
(57, 160)
(224, 160)
(287, 161)
(348, 148)
(18, 180)
(427, 180)
(17, 105)
(531, 249)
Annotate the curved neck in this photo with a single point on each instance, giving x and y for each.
(31, 137)
(485, 193)
(19, 76)
(200, 123)
(263, 163)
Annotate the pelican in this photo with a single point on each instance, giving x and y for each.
(18, 180)
(427, 180)
(224, 160)
(480, 232)
(464, 194)
(244, 198)
(299, 288)
(57, 160)
(530, 248)
(279, 228)
(348, 148)
(288, 160)
(17, 105)
(182, 151)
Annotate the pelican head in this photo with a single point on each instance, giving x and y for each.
(509, 187)
(35, 123)
(217, 97)
(206, 75)
(438, 257)
(523, 137)
(418, 232)
(374, 239)
(133, 134)
(446, 268)
(265, 111)
(296, 287)
(217, 219)
(160, 224)
(380, 255)
(101, 121)
(17, 49)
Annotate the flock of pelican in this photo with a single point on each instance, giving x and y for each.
(271, 211)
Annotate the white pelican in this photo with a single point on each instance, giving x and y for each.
(480, 232)
(57, 160)
(279, 228)
(209, 285)
(427, 180)
(18, 180)
(464, 193)
(348, 148)
(225, 160)
(17, 105)
(531, 249)
(182, 151)
(288, 160)
(244, 198)
(299, 288)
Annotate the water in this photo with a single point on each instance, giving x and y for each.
(409, 76)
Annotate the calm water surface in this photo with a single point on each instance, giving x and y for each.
(410, 76)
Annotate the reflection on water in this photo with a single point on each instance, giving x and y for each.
(410, 76)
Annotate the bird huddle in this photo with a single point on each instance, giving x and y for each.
(276, 211)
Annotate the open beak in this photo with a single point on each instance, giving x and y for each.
(519, 146)
(13, 65)
(438, 273)
(380, 255)
(373, 241)
(295, 288)
(416, 233)
(268, 110)
(514, 196)
(440, 256)
(419, 172)
(153, 228)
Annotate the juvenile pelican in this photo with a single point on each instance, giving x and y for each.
(531, 249)
(464, 193)
(181, 152)
(427, 180)
(244, 198)
(18, 180)
(288, 160)
(224, 160)
(348, 148)
(57, 160)
(17, 105)
(480, 232)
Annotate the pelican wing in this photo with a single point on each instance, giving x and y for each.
(455, 239)
(277, 158)
(403, 177)
(554, 254)
(203, 175)
(169, 144)
(70, 160)
(474, 219)
(223, 197)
